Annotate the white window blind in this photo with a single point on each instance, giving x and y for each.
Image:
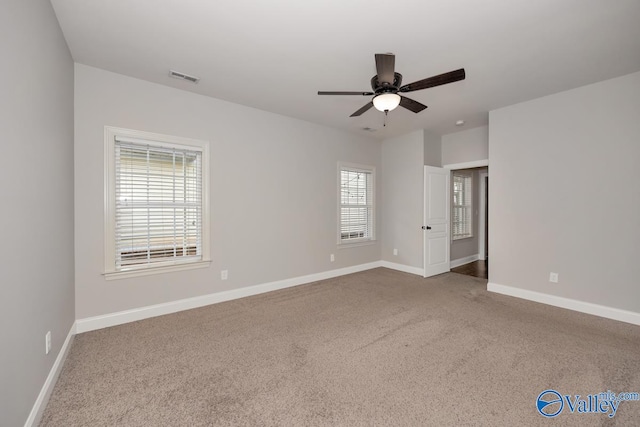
(158, 204)
(356, 204)
(462, 206)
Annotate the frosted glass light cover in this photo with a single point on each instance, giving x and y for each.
(386, 101)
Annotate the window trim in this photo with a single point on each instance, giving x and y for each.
(110, 134)
(470, 206)
(364, 241)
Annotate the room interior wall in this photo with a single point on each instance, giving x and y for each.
(273, 189)
(402, 196)
(564, 195)
(465, 146)
(36, 182)
(432, 149)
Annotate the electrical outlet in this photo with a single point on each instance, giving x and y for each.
(332, 257)
(554, 277)
(224, 274)
(47, 343)
(395, 251)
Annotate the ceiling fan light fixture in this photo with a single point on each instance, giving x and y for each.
(386, 101)
(386, 85)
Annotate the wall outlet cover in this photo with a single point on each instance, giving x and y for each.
(47, 342)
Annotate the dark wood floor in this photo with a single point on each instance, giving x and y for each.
(475, 269)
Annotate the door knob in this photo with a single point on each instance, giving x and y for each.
(426, 227)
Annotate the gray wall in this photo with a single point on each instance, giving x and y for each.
(274, 191)
(465, 146)
(432, 149)
(564, 194)
(402, 199)
(36, 183)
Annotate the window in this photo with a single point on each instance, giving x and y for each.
(157, 216)
(462, 206)
(356, 205)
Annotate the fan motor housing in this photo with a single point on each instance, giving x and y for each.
(384, 88)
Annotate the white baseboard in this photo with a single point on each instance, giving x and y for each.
(462, 261)
(402, 267)
(571, 304)
(43, 398)
(121, 317)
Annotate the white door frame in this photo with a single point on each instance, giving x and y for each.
(482, 220)
(483, 191)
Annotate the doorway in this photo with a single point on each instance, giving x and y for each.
(469, 253)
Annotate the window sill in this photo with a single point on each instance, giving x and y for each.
(346, 245)
(455, 239)
(147, 271)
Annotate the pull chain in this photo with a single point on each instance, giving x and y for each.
(386, 112)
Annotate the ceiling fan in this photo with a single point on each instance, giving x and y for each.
(386, 87)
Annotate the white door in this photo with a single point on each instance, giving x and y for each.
(436, 220)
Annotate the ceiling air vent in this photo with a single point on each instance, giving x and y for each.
(178, 75)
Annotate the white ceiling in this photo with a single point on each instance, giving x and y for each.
(275, 55)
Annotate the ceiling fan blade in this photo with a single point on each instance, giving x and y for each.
(385, 65)
(362, 110)
(411, 105)
(345, 93)
(441, 79)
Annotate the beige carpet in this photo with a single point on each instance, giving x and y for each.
(375, 348)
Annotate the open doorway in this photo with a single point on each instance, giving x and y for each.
(469, 249)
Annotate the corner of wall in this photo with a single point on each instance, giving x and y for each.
(40, 404)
